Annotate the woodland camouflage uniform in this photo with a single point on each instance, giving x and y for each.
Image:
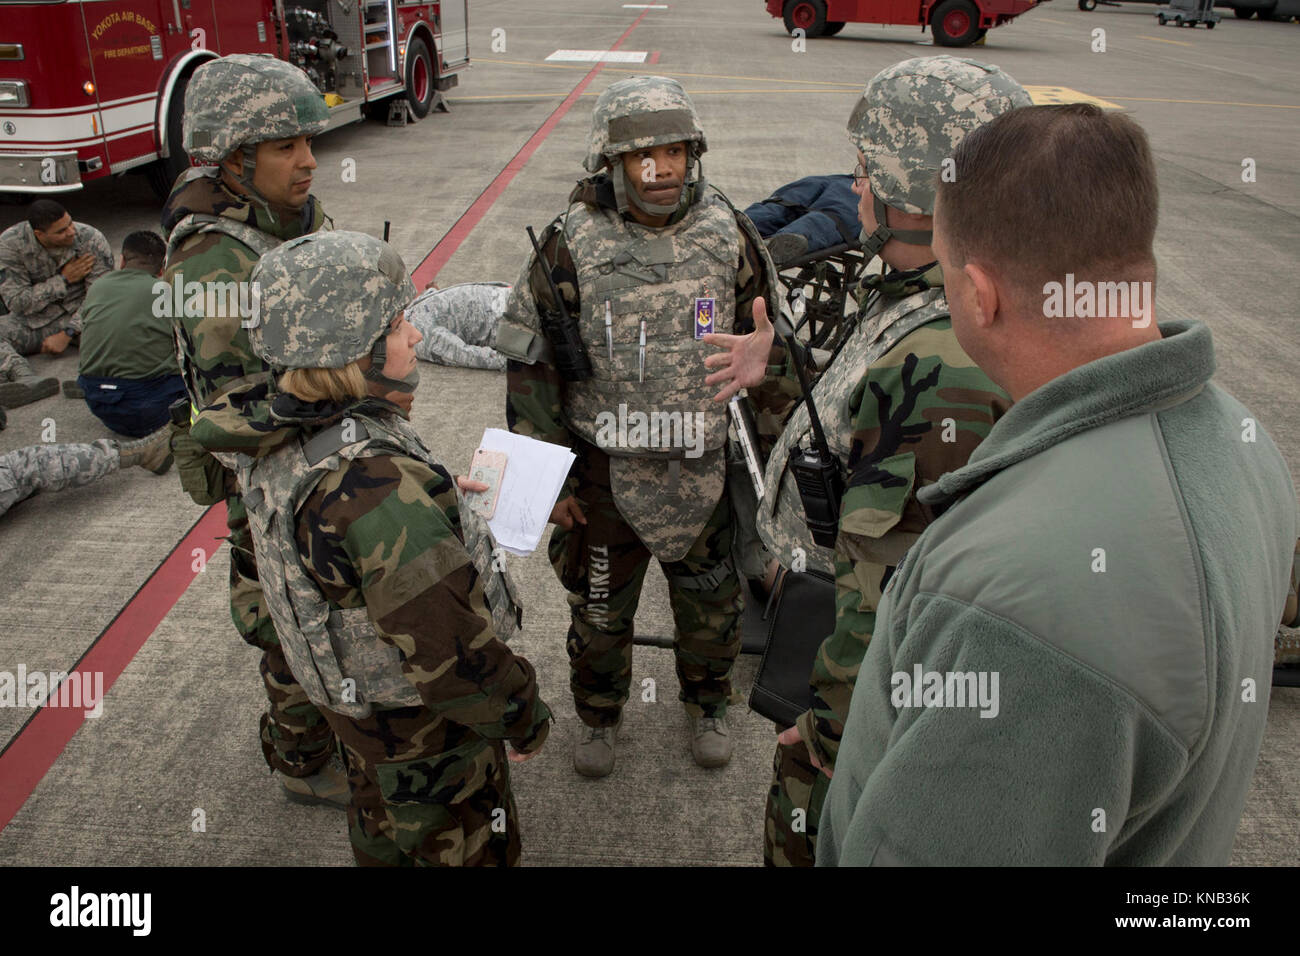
(229, 105)
(378, 537)
(602, 564)
(901, 403)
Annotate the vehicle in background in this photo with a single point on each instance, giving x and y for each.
(951, 22)
(1242, 9)
(1264, 9)
(92, 90)
(1189, 13)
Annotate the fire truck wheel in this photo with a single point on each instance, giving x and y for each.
(833, 27)
(420, 78)
(162, 174)
(1087, 4)
(955, 23)
(806, 15)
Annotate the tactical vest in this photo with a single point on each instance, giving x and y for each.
(196, 222)
(326, 647)
(649, 425)
(780, 513)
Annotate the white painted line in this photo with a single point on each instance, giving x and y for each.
(645, 6)
(597, 56)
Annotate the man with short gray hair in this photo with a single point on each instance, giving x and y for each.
(1107, 571)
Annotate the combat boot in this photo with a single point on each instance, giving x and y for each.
(786, 247)
(152, 452)
(26, 389)
(594, 755)
(710, 741)
(329, 787)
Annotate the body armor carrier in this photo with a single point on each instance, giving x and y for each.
(668, 477)
(327, 647)
(781, 524)
(255, 239)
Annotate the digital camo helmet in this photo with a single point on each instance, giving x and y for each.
(244, 99)
(326, 300)
(910, 119)
(638, 113)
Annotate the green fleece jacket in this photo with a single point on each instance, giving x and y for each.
(1072, 665)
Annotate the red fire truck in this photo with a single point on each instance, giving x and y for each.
(951, 22)
(91, 88)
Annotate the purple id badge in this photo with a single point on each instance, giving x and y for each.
(704, 309)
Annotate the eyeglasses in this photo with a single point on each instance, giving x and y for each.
(859, 173)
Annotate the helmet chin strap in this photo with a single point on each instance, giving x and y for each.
(245, 179)
(873, 242)
(378, 357)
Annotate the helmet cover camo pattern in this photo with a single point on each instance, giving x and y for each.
(248, 98)
(638, 113)
(326, 298)
(913, 115)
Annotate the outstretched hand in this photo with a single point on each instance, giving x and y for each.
(742, 363)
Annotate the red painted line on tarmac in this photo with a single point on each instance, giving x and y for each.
(28, 756)
(438, 257)
(654, 57)
(32, 751)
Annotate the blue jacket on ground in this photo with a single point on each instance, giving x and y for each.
(822, 208)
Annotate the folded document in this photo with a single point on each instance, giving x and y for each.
(534, 477)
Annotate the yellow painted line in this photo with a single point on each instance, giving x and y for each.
(1160, 99)
(709, 76)
(1046, 95)
(1143, 36)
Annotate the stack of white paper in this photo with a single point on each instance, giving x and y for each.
(534, 476)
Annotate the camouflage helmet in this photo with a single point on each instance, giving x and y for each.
(324, 299)
(913, 114)
(638, 113)
(248, 98)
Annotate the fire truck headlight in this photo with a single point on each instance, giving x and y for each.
(88, 88)
(13, 93)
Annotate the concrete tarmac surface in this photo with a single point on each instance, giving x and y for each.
(179, 725)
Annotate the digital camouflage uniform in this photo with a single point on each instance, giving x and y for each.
(53, 467)
(40, 301)
(213, 346)
(36, 468)
(372, 545)
(458, 324)
(638, 503)
(901, 404)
